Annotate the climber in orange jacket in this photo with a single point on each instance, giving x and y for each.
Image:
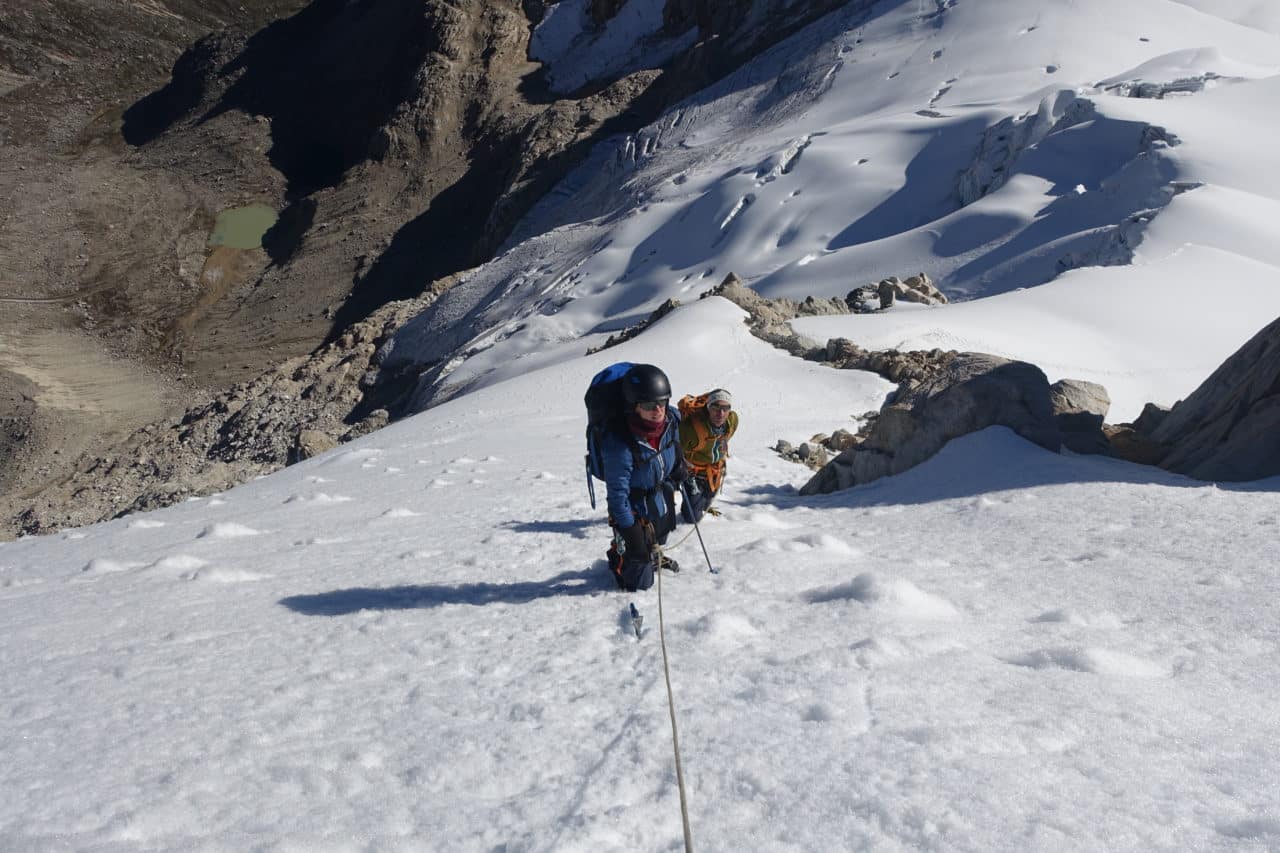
(707, 422)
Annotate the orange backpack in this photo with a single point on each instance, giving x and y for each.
(689, 404)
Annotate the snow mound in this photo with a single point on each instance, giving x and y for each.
(893, 596)
(724, 630)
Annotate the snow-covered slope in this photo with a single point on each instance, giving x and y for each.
(992, 145)
(411, 643)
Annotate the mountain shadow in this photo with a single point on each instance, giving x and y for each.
(328, 78)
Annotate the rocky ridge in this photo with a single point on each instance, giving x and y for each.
(1223, 431)
(303, 407)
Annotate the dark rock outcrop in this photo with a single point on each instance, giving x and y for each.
(1229, 428)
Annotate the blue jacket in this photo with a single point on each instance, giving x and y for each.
(636, 489)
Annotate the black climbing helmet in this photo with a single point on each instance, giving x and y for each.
(644, 383)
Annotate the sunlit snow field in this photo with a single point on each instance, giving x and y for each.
(411, 643)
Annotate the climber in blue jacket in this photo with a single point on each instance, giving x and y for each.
(643, 467)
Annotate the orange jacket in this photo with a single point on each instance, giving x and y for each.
(704, 449)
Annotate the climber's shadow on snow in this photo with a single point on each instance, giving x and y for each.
(576, 527)
(340, 602)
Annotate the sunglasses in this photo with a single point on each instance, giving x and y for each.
(720, 407)
(653, 406)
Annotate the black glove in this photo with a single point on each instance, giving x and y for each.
(636, 539)
(680, 472)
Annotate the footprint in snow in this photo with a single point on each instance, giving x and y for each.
(1066, 616)
(723, 630)
(188, 568)
(365, 455)
(218, 575)
(819, 713)
(420, 555)
(177, 565)
(320, 540)
(1097, 661)
(804, 544)
(820, 542)
(1225, 579)
(1094, 556)
(319, 499)
(100, 566)
(1254, 828)
(883, 650)
(227, 530)
(768, 520)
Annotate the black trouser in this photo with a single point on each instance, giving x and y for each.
(633, 564)
(697, 497)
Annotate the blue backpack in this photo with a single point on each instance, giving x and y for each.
(606, 409)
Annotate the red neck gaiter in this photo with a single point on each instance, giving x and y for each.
(650, 432)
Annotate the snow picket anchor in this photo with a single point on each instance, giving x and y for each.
(637, 621)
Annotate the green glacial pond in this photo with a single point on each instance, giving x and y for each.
(242, 227)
